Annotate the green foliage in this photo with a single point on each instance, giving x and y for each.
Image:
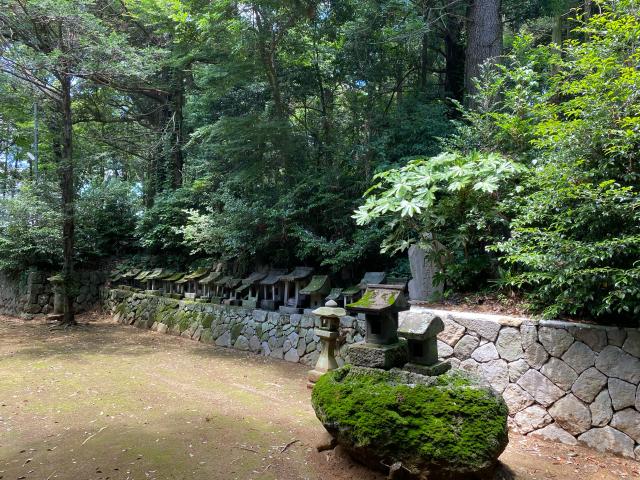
(574, 230)
(30, 233)
(448, 205)
(106, 219)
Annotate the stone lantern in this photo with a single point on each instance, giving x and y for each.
(380, 305)
(57, 283)
(421, 330)
(328, 332)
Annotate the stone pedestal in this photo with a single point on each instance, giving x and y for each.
(377, 356)
(326, 360)
(437, 368)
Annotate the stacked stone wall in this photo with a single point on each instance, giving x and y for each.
(283, 336)
(30, 294)
(562, 381)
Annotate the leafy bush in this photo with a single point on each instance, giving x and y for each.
(106, 219)
(30, 229)
(449, 201)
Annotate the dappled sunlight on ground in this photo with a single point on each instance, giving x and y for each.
(105, 401)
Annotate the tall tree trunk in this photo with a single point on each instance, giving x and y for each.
(556, 32)
(68, 194)
(454, 53)
(484, 39)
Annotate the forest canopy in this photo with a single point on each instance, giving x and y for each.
(185, 132)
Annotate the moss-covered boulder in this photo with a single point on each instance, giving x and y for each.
(452, 426)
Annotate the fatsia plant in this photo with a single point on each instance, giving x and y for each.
(450, 200)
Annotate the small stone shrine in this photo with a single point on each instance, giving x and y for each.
(249, 290)
(170, 287)
(230, 294)
(353, 293)
(272, 290)
(220, 287)
(190, 283)
(128, 276)
(421, 330)
(328, 332)
(206, 285)
(141, 279)
(380, 305)
(317, 289)
(152, 279)
(294, 282)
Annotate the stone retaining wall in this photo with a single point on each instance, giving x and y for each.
(29, 294)
(283, 336)
(562, 381)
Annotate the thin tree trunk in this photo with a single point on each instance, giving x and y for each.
(176, 102)
(68, 194)
(484, 39)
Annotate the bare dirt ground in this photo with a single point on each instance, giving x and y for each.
(106, 401)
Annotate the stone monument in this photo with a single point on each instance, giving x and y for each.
(423, 272)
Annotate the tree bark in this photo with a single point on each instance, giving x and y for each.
(454, 53)
(68, 197)
(177, 158)
(484, 40)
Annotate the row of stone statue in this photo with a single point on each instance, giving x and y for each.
(290, 292)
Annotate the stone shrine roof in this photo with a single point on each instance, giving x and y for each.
(319, 284)
(298, 273)
(155, 274)
(419, 326)
(369, 278)
(131, 273)
(142, 275)
(210, 278)
(272, 277)
(175, 276)
(380, 298)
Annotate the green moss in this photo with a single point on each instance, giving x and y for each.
(207, 320)
(450, 422)
(236, 330)
(392, 298)
(365, 301)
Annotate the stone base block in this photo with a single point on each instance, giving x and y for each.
(289, 310)
(156, 293)
(190, 296)
(428, 370)
(268, 305)
(314, 375)
(377, 356)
